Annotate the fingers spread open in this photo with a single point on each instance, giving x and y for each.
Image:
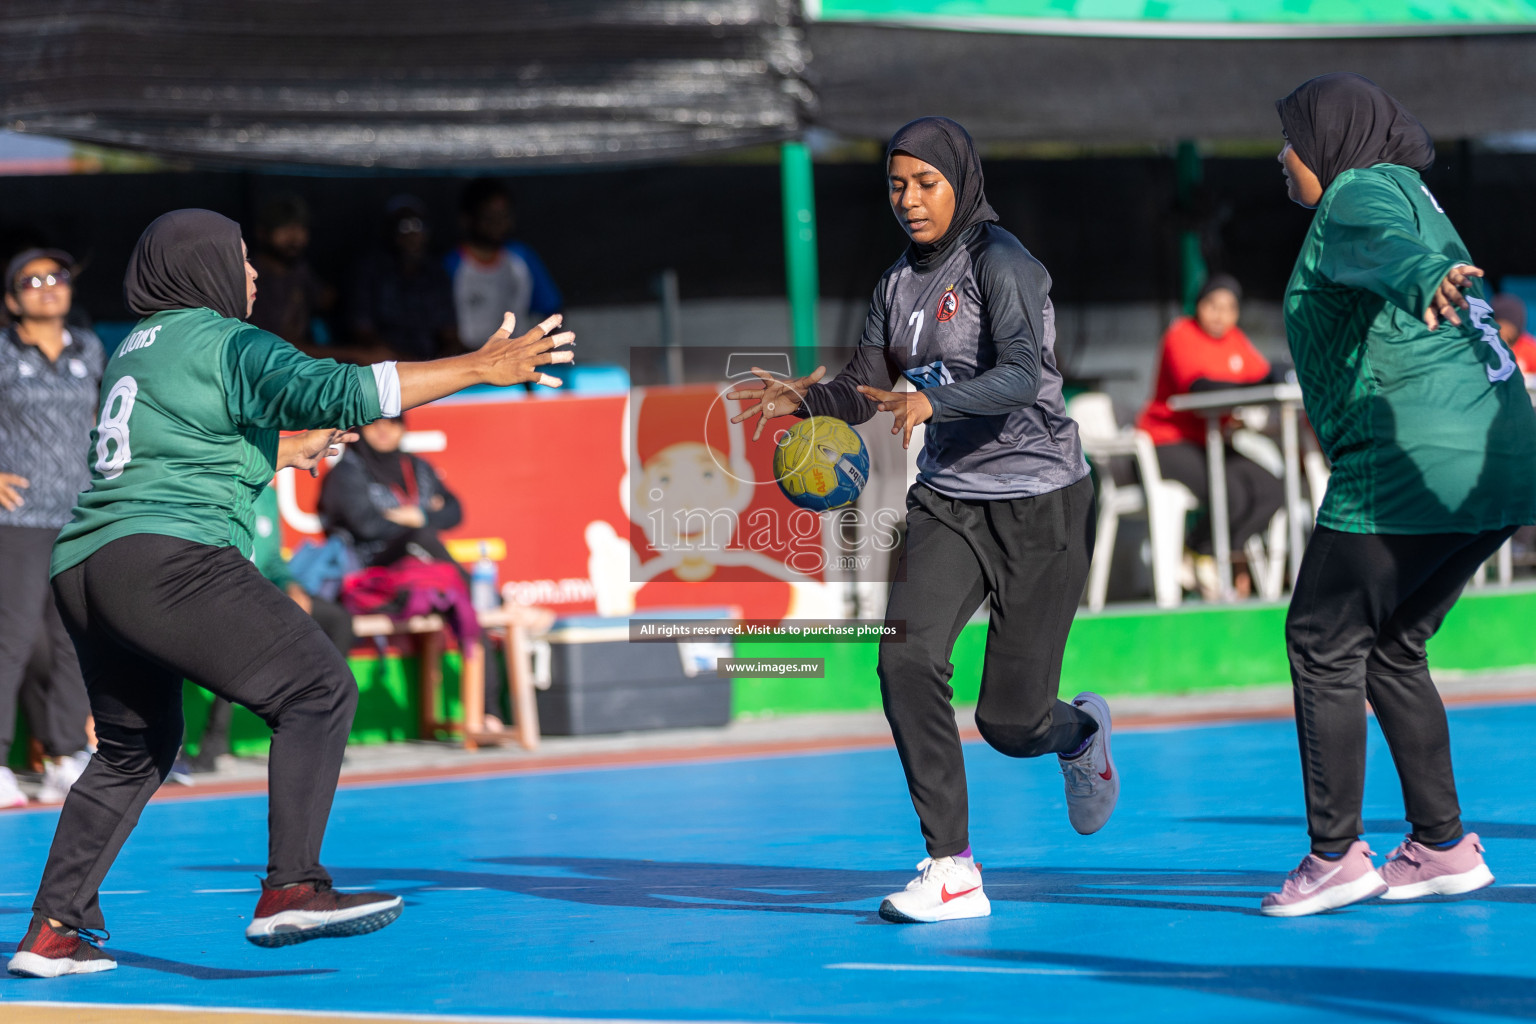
(508, 322)
(553, 322)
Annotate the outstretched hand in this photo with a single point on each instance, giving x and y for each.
(774, 397)
(908, 409)
(517, 360)
(309, 449)
(1449, 296)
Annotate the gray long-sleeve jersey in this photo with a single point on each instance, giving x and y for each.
(976, 335)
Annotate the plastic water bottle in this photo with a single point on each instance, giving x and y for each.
(482, 582)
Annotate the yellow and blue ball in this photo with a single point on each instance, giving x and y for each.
(821, 463)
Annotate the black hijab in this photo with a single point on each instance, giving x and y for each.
(1218, 282)
(1343, 120)
(387, 468)
(187, 259)
(948, 147)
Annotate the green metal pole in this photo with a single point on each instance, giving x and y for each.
(1192, 268)
(799, 190)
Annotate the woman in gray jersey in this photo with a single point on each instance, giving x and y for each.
(1002, 509)
(50, 373)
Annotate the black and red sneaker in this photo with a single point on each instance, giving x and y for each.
(286, 914)
(49, 952)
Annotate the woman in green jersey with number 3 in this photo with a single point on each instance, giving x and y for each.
(1425, 418)
(154, 580)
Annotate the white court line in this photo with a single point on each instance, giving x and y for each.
(122, 892)
(300, 1015)
(210, 892)
(1054, 972)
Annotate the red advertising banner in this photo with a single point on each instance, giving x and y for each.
(549, 493)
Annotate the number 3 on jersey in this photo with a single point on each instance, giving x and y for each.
(113, 428)
(1481, 315)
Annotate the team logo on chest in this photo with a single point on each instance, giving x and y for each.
(948, 303)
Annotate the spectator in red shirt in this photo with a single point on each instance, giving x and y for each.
(1509, 311)
(1200, 352)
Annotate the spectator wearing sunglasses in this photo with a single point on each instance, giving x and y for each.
(50, 375)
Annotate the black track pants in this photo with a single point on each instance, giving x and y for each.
(1363, 609)
(334, 620)
(32, 635)
(1030, 556)
(147, 611)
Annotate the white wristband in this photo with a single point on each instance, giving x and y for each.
(388, 380)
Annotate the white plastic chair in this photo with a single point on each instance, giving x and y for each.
(1266, 554)
(1104, 439)
(1315, 465)
(1266, 557)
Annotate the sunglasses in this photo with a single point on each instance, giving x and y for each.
(43, 280)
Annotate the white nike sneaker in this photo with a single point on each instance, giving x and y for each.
(10, 793)
(948, 889)
(60, 776)
(1093, 784)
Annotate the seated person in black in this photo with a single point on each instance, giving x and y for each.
(390, 504)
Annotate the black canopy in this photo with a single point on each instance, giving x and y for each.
(405, 83)
(484, 83)
(1015, 87)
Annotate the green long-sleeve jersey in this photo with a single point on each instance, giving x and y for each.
(191, 406)
(1429, 431)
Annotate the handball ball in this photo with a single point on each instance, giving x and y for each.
(821, 463)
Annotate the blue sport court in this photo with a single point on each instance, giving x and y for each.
(746, 890)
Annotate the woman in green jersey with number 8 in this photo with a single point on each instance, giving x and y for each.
(1420, 408)
(154, 580)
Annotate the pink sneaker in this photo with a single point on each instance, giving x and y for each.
(1416, 870)
(1319, 884)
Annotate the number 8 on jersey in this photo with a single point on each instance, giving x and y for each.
(114, 427)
